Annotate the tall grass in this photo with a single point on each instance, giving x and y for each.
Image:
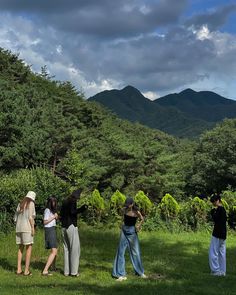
(180, 258)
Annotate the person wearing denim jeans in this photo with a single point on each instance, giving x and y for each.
(129, 239)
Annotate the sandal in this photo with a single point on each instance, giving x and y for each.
(19, 273)
(75, 276)
(46, 274)
(28, 274)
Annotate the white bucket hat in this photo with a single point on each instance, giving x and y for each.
(31, 195)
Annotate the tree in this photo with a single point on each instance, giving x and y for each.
(214, 166)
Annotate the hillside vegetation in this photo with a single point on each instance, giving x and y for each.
(130, 104)
(53, 140)
(186, 114)
(203, 105)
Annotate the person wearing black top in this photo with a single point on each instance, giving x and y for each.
(129, 238)
(217, 251)
(70, 234)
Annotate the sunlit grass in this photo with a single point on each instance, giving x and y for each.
(180, 258)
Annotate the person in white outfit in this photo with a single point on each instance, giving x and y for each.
(24, 218)
(217, 251)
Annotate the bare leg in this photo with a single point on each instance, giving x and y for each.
(54, 264)
(19, 258)
(50, 260)
(27, 258)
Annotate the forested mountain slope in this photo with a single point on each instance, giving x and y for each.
(130, 104)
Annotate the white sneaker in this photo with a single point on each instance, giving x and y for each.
(121, 279)
(143, 276)
(217, 274)
(222, 274)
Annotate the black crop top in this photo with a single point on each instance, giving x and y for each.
(130, 220)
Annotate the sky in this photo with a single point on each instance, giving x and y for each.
(157, 46)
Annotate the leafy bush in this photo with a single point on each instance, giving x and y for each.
(143, 202)
(96, 207)
(117, 202)
(169, 208)
(14, 187)
(230, 198)
(194, 214)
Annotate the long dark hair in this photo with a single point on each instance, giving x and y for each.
(52, 204)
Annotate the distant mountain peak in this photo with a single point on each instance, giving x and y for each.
(204, 105)
(129, 87)
(188, 91)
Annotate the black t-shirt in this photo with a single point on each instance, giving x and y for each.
(219, 217)
(69, 213)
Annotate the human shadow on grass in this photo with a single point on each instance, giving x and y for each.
(183, 265)
(4, 263)
(186, 264)
(96, 267)
(37, 265)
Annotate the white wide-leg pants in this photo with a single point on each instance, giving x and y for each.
(217, 256)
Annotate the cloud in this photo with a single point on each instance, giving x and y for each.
(212, 19)
(105, 44)
(103, 18)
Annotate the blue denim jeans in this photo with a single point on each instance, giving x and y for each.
(128, 238)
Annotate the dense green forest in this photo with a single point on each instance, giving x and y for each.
(53, 140)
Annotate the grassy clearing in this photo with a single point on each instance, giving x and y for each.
(181, 258)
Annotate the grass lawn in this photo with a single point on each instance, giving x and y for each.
(181, 259)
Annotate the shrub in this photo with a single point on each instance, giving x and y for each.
(169, 208)
(96, 206)
(229, 197)
(13, 188)
(117, 202)
(143, 202)
(194, 213)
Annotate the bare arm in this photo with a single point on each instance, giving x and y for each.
(141, 220)
(31, 220)
(55, 216)
(31, 217)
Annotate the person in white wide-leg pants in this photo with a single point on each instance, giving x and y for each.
(217, 250)
(217, 256)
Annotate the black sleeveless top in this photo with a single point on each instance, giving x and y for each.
(130, 220)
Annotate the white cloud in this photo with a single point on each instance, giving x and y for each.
(95, 87)
(59, 49)
(203, 33)
(151, 95)
(132, 53)
(145, 9)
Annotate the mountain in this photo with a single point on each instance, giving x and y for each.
(47, 124)
(204, 105)
(130, 104)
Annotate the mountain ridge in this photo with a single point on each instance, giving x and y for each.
(184, 114)
(205, 105)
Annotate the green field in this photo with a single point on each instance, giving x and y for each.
(181, 259)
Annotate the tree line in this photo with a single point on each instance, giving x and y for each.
(53, 140)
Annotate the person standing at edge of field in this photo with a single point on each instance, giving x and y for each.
(129, 238)
(70, 234)
(24, 218)
(217, 251)
(49, 221)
